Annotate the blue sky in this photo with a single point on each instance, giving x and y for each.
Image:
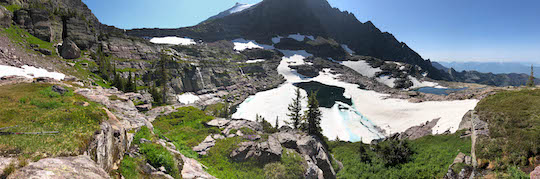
(449, 30)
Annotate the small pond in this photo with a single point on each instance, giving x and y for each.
(439, 91)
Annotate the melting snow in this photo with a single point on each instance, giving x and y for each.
(255, 61)
(187, 98)
(346, 48)
(172, 41)
(362, 67)
(357, 122)
(243, 44)
(29, 72)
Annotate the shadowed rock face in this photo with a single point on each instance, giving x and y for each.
(310, 17)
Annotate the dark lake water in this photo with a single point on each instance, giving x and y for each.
(439, 91)
(326, 95)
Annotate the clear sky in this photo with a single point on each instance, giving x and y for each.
(441, 30)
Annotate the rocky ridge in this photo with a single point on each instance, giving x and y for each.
(268, 150)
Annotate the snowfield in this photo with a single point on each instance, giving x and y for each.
(240, 7)
(255, 61)
(29, 72)
(357, 122)
(243, 44)
(187, 98)
(365, 69)
(360, 121)
(172, 41)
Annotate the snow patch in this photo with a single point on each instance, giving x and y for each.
(173, 41)
(187, 98)
(255, 61)
(29, 72)
(346, 48)
(240, 7)
(362, 67)
(243, 44)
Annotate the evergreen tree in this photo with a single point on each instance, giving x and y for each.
(164, 77)
(155, 94)
(295, 109)
(277, 122)
(313, 116)
(530, 83)
(129, 84)
(134, 83)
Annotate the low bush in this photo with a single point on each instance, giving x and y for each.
(157, 156)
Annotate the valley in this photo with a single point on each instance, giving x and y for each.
(81, 99)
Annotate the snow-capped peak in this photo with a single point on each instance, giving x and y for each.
(239, 7)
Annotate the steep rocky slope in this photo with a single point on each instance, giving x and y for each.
(271, 18)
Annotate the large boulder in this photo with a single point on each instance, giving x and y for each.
(63, 167)
(421, 130)
(314, 151)
(69, 50)
(238, 124)
(5, 17)
(264, 152)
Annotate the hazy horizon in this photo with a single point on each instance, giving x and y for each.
(461, 30)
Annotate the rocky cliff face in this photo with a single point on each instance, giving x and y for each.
(271, 18)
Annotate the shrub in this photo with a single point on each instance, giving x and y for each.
(393, 152)
(129, 167)
(157, 156)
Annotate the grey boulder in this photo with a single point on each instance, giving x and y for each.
(69, 50)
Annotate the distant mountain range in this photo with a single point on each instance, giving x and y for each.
(489, 67)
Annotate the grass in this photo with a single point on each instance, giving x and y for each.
(131, 167)
(13, 7)
(35, 108)
(152, 153)
(430, 159)
(220, 166)
(185, 128)
(18, 35)
(514, 128)
(157, 156)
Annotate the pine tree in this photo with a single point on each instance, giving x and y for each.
(530, 83)
(277, 122)
(313, 116)
(129, 84)
(295, 109)
(155, 94)
(164, 77)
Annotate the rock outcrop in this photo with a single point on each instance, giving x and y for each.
(265, 152)
(62, 167)
(5, 17)
(422, 130)
(112, 140)
(463, 163)
(69, 50)
(311, 149)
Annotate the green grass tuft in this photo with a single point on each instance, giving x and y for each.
(32, 109)
(430, 159)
